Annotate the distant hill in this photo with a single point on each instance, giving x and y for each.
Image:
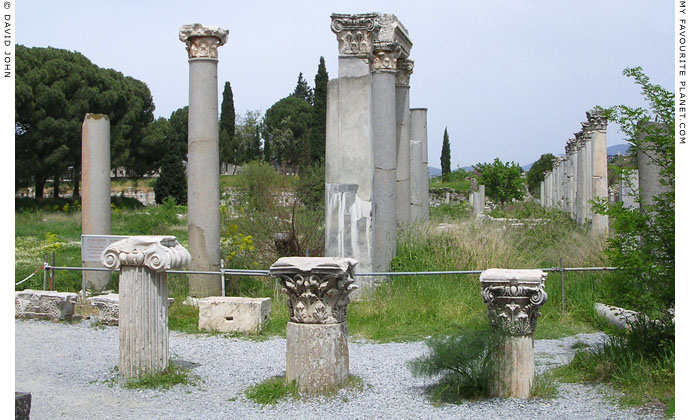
(434, 172)
(611, 150)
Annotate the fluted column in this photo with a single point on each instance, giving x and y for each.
(598, 123)
(318, 290)
(513, 299)
(95, 183)
(143, 301)
(203, 166)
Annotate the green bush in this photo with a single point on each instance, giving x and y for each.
(311, 187)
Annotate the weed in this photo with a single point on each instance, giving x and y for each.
(544, 387)
(173, 375)
(272, 390)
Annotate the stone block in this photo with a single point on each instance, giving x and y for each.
(22, 405)
(105, 308)
(233, 314)
(317, 356)
(44, 304)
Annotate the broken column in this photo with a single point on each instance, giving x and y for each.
(143, 289)
(349, 145)
(513, 299)
(402, 111)
(317, 356)
(203, 166)
(600, 184)
(95, 182)
(419, 171)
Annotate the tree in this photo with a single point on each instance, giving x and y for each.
(536, 173)
(248, 135)
(54, 89)
(302, 90)
(230, 150)
(317, 130)
(293, 114)
(503, 181)
(172, 181)
(445, 155)
(643, 240)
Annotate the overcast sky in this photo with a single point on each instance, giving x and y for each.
(510, 79)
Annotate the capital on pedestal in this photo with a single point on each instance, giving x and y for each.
(596, 119)
(355, 32)
(203, 41)
(318, 288)
(405, 67)
(513, 298)
(158, 253)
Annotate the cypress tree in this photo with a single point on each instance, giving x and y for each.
(302, 90)
(229, 152)
(317, 135)
(445, 155)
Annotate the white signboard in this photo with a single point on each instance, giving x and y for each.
(92, 246)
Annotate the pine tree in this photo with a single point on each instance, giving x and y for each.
(302, 90)
(445, 155)
(228, 147)
(317, 134)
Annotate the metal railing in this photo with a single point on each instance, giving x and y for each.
(48, 268)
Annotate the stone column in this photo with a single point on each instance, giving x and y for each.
(349, 145)
(648, 166)
(95, 182)
(513, 299)
(318, 289)
(203, 167)
(482, 198)
(547, 188)
(580, 187)
(629, 184)
(600, 183)
(587, 140)
(419, 178)
(571, 153)
(541, 193)
(402, 111)
(143, 318)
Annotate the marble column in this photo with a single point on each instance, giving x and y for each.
(587, 139)
(482, 198)
(649, 169)
(95, 184)
(580, 185)
(571, 153)
(541, 193)
(318, 290)
(143, 300)
(419, 175)
(402, 111)
(600, 185)
(350, 146)
(513, 299)
(203, 166)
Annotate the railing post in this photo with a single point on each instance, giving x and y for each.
(222, 277)
(45, 274)
(52, 271)
(562, 285)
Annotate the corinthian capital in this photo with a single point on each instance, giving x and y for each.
(203, 41)
(596, 119)
(355, 33)
(405, 67)
(159, 253)
(318, 289)
(513, 299)
(386, 55)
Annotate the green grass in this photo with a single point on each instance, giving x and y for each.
(173, 375)
(274, 389)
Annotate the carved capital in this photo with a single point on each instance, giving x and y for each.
(385, 56)
(318, 289)
(405, 67)
(596, 119)
(203, 41)
(513, 299)
(355, 33)
(159, 253)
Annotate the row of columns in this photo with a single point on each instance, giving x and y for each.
(581, 176)
(376, 146)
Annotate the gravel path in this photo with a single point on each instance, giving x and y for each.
(65, 368)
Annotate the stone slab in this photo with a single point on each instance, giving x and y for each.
(44, 304)
(233, 314)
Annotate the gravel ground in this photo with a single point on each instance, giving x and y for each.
(65, 367)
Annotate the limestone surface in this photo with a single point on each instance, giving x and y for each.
(233, 314)
(44, 304)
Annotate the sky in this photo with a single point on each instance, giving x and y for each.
(509, 79)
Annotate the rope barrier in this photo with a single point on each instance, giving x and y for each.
(40, 267)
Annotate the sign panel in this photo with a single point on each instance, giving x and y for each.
(92, 246)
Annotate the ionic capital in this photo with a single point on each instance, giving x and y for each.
(158, 253)
(596, 119)
(405, 68)
(203, 41)
(355, 33)
(513, 299)
(318, 288)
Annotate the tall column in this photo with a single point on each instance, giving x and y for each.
(143, 311)
(648, 165)
(349, 145)
(600, 185)
(513, 299)
(95, 181)
(482, 198)
(571, 153)
(318, 290)
(203, 167)
(541, 193)
(587, 139)
(580, 187)
(547, 186)
(402, 111)
(419, 176)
